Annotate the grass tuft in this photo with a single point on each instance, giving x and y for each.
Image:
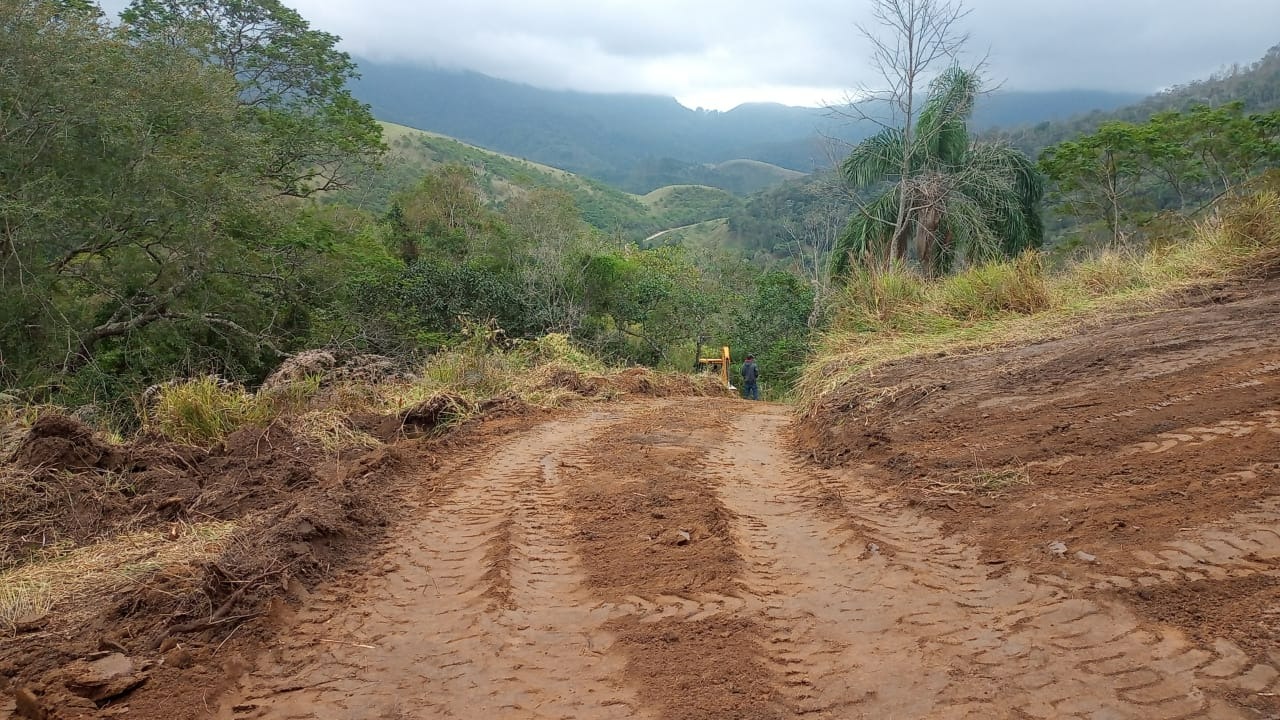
(19, 599)
(1014, 287)
(332, 429)
(203, 411)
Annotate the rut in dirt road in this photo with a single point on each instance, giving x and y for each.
(876, 614)
(674, 560)
(477, 612)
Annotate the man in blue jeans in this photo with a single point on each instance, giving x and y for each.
(750, 379)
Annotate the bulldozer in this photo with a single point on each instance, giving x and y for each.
(722, 363)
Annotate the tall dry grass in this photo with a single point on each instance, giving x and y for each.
(887, 315)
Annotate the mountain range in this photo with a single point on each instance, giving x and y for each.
(642, 142)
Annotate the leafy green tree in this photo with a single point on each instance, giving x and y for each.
(444, 216)
(772, 323)
(1100, 176)
(955, 200)
(292, 82)
(1230, 146)
(648, 306)
(555, 247)
(1124, 172)
(428, 304)
(128, 188)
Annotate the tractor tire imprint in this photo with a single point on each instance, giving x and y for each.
(674, 559)
(475, 612)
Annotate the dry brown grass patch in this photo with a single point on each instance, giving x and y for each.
(105, 567)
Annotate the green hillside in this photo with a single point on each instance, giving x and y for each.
(679, 205)
(709, 234)
(753, 175)
(741, 177)
(415, 152)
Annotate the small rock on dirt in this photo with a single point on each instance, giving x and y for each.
(1057, 548)
(677, 537)
(105, 678)
(1083, 556)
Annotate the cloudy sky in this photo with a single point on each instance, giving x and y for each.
(719, 53)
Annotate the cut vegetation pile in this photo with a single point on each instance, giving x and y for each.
(161, 548)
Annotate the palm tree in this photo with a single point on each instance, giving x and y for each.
(936, 195)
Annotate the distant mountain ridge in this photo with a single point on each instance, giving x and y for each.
(642, 142)
(1256, 85)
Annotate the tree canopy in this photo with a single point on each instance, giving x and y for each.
(956, 201)
(1123, 173)
(293, 83)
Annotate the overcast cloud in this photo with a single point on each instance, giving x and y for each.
(718, 53)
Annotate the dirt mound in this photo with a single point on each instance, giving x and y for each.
(294, 512)
(62, 486)
(645, 382)
(60, 442)
(295, 368)
(437, 411)
(565, 378)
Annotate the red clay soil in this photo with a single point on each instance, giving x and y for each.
(674, 559)
(1150, 444)
(302, 513)
(650, 526)
(168, 645)
(1079, 528)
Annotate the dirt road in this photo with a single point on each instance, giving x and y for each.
(673, 559)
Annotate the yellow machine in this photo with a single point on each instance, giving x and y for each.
(723, 362)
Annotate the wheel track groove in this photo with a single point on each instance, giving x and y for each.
(925, 611)
(481, 612)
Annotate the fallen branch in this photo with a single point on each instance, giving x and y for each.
(221, 612)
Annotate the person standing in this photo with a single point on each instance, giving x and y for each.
(750, 379)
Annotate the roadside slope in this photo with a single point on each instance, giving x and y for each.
(1137, 458)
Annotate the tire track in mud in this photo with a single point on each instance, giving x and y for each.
(1185, 494)
(675, 560)
(659, 554)
(1253, 377)
(875, 613)
(477, 611)
(1245, 544)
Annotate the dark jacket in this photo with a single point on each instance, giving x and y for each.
(750, 373)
